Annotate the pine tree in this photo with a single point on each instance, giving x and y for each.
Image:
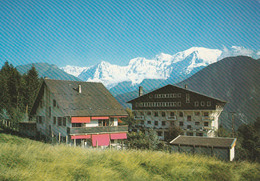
(5, 97)
(32, 86)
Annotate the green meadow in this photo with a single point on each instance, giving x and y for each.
(25, 159)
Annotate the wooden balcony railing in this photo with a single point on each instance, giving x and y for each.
(99, 129)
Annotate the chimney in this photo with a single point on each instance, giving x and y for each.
(141, 91)
(186, 86)
(79, 89)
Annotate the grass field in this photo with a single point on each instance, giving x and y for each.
(24, 159)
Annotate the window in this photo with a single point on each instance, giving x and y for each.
(189, 133)
(199, 134)
(181, 123)
(156, 123)
(197, 123)
(59, 121)
(103, 122)
(159, 133)
(155, 114)
(64, 121)
(163, 114)
(54, 103)
(179, 95)
(206, 114)
(187, 98)
(149, 113)
(206, 123)
(196, 103)
(179, 104)
(163, 123)
(202, 103)
(208, 103)
(181, 114)
(189, 118)
(188, 126)
(171, 114)
(172, 123)
(149, 122)
(54, 120)
(197, 113)
(76, 125)
(141, 113)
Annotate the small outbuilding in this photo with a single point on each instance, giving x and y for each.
(222, 148)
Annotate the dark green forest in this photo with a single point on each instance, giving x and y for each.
(17, 93)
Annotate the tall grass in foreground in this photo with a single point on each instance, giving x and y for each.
(24, 159)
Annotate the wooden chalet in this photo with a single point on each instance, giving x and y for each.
(78, 113)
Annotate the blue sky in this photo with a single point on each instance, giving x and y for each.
(86, 32)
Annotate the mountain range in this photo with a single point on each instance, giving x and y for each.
(160, 70)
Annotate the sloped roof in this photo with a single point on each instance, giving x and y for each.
(94, 99)
(204, 141)
(176, 87)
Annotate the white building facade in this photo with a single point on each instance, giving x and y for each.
(169, 106)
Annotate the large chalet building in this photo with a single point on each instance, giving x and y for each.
(80, 113)
(196, 114)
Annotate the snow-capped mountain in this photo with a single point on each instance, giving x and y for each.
(176, 67)
(74, 70)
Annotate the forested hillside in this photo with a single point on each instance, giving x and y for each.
(17, 92)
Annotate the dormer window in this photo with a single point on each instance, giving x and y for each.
(208, 103)
(202, 103)
(196, 103)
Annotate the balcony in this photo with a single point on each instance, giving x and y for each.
(139, 117)
(207, 128)
(207, 118)
(171, 118)
(98, 129)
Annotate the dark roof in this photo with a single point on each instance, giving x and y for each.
(170, 85)
(94, 99)
(204, 141)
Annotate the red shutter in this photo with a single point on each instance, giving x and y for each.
(104, 117)
(80, 120)
(118, 136)
(81, 137)
(101, 139)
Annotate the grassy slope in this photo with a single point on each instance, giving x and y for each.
(24, 159)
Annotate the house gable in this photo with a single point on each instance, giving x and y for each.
(173, 97)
